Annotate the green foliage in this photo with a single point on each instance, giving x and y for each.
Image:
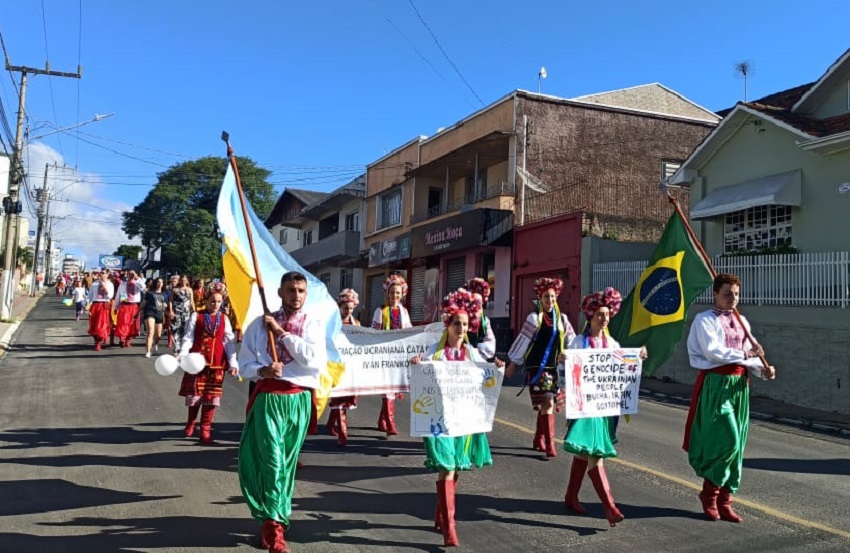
(128, 251)
(25, 257)
(178, 214)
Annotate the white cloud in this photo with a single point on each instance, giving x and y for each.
(84, 221)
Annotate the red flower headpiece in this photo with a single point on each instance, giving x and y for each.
(348, 295)
(609, 297)
(392, 280)
(217, 288)
(545, 283)
(479, 286)
(461, 301)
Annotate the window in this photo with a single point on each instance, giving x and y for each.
(488, 273)
(476, 190)
(389, 209)
(346, 278)
(326, 279)
(308, 237)
(283, 236)
(352, 221)
(668, 169)
(765, 226)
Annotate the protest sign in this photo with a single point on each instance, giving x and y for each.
(376, 361)
(453, 398)
(601, 382)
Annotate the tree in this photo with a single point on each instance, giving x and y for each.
(128, 251)
(178, 214)
(25, 257)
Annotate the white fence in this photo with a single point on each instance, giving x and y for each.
(817, 279)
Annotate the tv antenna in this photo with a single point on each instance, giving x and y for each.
(744, 69)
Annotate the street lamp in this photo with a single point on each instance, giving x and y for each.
(540, 76)
(97, 118)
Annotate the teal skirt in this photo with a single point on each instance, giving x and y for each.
(459, 453)
(593, 437)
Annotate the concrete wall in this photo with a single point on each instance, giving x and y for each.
(808, 346)
(598, 250)
(820, 224)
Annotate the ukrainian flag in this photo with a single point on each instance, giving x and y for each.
(654, 314)
(273, 262)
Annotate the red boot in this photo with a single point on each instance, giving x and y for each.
(577, 470)
(332, 422)
(724, 506)
(272, 537)
(382, 418)
(391, 429)
(190, 422)
(439, 522)
(207, 414)
(97, 346)
(708, 498)
(539, 443)
(600, 483)
(549, 436)
(342, 427)
(446, 488)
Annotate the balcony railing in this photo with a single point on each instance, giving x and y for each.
(492, 191)
(337, 247)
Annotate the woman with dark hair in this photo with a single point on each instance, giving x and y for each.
(181, 306)
(539, 347)
(153, 312)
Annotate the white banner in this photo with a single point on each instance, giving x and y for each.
(601, 382)
(376, 361)
(453, 398)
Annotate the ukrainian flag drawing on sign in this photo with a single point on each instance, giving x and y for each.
(653, 315)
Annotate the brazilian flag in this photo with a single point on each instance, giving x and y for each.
(653, 315)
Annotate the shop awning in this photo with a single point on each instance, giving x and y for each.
(779, 189)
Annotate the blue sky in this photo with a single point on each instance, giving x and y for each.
(316, 90)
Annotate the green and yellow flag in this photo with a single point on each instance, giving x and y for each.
(654, 314)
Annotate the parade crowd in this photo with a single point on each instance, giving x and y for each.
(284, 353)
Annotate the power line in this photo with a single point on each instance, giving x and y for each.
(440, 46)
(49, 80)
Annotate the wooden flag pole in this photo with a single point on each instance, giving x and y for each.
(242, 202)
(708, 264)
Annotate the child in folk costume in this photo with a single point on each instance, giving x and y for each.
(208, 333)
(391, 317)
(128, 323)
(348, 300)
(449, 455)
(483, 339)
(100, 318)
(591, 440)
(538, 347)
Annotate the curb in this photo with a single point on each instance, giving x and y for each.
(815, 426)
(6, 339)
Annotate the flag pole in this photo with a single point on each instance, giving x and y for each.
(243, 204)
(708, 264)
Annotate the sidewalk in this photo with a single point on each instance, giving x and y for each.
(21, 306)
(761, 408)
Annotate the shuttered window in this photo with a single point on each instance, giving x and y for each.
(417, 294)
(455, 274)
(376, 294)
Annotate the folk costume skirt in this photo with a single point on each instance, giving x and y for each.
(720, 428)
(100, 321)
(592, 437)
(458, 453)
(127, 325)
(274, 432)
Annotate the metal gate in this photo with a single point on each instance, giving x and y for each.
(455, 274)
(417, 293)
(376, 295)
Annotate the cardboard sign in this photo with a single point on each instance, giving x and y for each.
(453, 398)
(601, 382)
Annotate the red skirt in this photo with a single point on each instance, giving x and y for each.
(100, 321)
(206, 385)
(128, 321)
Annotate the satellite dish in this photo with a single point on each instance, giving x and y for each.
(844, 188)
(542, 72)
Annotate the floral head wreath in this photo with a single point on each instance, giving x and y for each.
(479, 286)
(348, 295)
(461, 301)
(217, 288)
(609, 297)
(541, 285)
(393, 280)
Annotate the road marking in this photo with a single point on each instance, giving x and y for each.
(688, 484)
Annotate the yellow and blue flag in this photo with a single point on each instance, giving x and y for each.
(654, 314)
(273, 261)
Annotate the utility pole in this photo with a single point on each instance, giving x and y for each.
(41, 196)
(16, 176)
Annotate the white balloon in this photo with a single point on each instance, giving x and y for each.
(193, 363)
(166, 365)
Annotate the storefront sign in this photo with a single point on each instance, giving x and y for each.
(389, 250)
(455, 233)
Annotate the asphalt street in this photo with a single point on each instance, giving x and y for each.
(93, 459)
